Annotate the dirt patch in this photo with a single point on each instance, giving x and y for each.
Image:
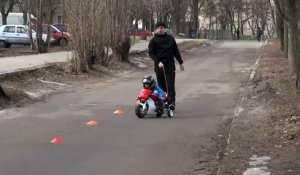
(283, 109)
(185, 46)
(269, 126)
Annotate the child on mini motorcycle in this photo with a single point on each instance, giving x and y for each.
(150, 83)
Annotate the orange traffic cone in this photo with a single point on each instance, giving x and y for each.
(119, 112)
(92, 123)
(57, 140)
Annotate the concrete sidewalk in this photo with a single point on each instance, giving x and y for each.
(30, 62)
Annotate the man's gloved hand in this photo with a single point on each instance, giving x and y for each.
(161, 65)
(181, 67)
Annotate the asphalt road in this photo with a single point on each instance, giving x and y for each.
(124, 144)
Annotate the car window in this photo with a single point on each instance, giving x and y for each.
(61, 27)
(45, 29)
(52, 29)
(9, 29)
(21, 30)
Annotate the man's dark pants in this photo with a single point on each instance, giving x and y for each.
(170, 76)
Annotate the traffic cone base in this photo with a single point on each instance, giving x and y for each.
(92, 123)
(119, 112)
(57, 140)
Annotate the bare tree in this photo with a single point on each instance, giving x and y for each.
(288, 10)
(42, 10)
(5, 7)
(196, 6)
(98, 27)
(260, 11)
(291, 9)
(209, 12)
(178, 11)
(282, 26)
(49, 8)
(37, 7)
(23, 6)
(159, 10)
(229, 8)
(150, 6)
(136, 11)
(80, 17)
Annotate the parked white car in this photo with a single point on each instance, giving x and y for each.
(17, 34)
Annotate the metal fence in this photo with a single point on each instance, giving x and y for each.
(215, 34)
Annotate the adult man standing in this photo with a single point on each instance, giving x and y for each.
(162, 49)
(237, 34)
(259, 33)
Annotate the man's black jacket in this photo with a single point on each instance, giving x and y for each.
(163, 48)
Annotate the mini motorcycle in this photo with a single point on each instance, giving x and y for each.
(147, 104)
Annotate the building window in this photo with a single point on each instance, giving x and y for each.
(59, 19)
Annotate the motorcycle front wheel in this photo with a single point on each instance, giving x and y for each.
(139, 111)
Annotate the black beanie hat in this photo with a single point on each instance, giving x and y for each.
(160, 24)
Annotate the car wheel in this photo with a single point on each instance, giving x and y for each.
(7, 45)
(2, 44)
(63, 42)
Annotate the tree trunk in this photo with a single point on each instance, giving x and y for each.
(293, 51)
(39, 40)
(83, 58)
(242, 29)
(231, 31)
(122, 50)
(210, 28)
(176, 15)
(280, 31)
(28, 11)
(286, 39)
(176, 21)
(150, 21)
(4, 19)
(165, 17)
(195, 17)
(136, 24)
(293, 46)
(24, 18)
(273, 14)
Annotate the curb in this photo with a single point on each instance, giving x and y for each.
(19, 71)
(255, 67)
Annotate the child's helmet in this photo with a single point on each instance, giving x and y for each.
(148, 82)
